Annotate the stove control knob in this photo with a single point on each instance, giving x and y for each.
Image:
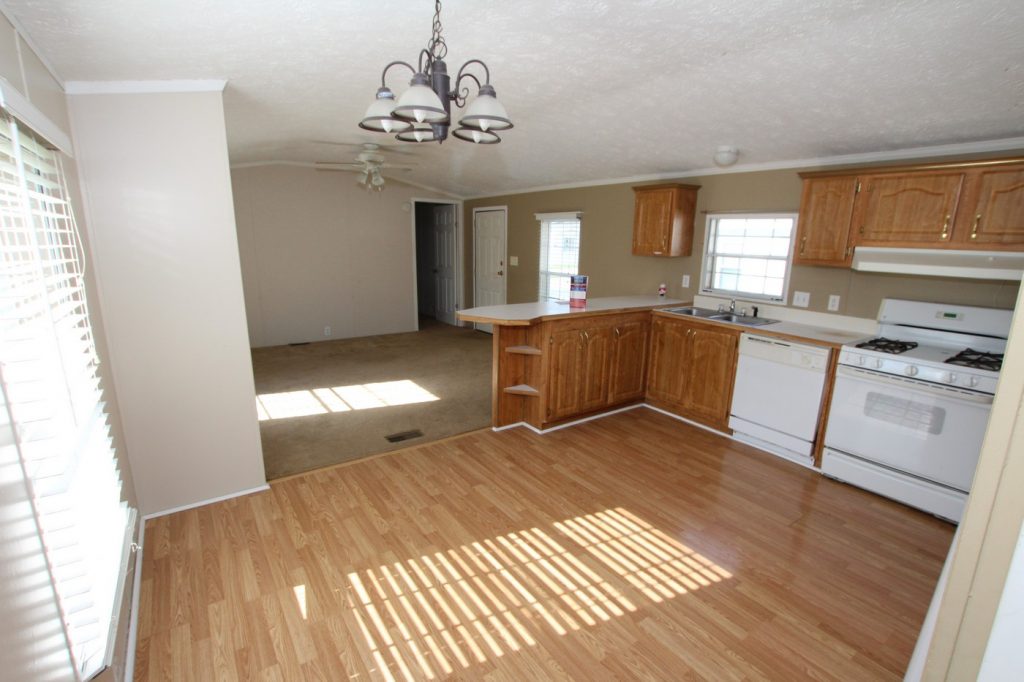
(949, 378)
(972, 382)
(861, 360)
(910, 371)
(878, 363)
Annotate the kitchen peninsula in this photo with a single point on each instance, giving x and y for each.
(553, 363)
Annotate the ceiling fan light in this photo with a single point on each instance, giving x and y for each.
(419, 103)
(486, 112)
(476, 136)
(379, 117)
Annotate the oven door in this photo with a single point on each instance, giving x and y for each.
(927, 430)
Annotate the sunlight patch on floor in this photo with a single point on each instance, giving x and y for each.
(306, 402)
(429, 617)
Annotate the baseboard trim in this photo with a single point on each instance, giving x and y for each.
(689, 421)
(592, 417)
(133, 613)
(203, 503)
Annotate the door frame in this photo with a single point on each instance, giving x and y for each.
(504, 236)
(460, 284)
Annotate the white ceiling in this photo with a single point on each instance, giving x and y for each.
(597, 89)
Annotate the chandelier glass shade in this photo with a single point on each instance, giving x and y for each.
(423, 112)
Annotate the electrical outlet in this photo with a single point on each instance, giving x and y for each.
(327, 330)
(513, 260)
(833, 302)
(686, 281)
(801, 299)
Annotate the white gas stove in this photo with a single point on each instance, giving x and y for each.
(910, 406)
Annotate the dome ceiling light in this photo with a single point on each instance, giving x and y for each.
(423, 112)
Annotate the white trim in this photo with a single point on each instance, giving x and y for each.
(22, 109)
(203, 503)
(143, 87)
(133, 614)
(999, 145)
(564, 215)
(24, 35)
(687, 421)
(508, 268)
(541, 432)
(460, 294)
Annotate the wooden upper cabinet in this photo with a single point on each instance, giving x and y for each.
(907, 209)
(823, 226)
(996, 215)
(663, 218)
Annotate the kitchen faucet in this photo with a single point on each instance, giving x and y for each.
(732, 305)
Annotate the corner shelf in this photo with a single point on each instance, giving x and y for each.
(522, 389)
(523, 350)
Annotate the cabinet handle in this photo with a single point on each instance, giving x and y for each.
(617, 332)
(945, 228)
(586, 336)
(803, 245)
(849, 251)
(862, 229)
(974, 230)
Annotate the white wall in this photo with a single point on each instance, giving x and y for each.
(317, 250)
(1004, 656)
(157, 194)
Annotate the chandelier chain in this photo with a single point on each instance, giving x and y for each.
(437, 47)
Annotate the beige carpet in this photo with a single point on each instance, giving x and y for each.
(334, 401)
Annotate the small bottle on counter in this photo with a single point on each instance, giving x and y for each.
(662, 289)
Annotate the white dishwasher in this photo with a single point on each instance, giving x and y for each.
(777, 396)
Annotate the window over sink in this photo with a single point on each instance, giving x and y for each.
(748, 255)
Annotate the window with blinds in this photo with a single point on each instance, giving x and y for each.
(559, 254)
(748, 255)
(48, 374)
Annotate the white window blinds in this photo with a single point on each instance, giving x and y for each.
(48, 373)
(559, 254)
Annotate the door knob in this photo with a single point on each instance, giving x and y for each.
(500, 273)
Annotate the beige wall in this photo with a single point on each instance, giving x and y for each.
(606, 241)
(157, 196)
(317, 250)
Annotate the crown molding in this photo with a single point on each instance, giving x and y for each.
(1000, 145)
(22, 109)
(143, 87)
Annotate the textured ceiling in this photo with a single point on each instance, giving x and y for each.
(597, 90)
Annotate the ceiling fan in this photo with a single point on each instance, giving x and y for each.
(369, 164)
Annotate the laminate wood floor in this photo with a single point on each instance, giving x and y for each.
(631, 547)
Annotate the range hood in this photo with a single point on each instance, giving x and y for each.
(1001, 265)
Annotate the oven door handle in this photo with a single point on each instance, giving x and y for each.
(947, 392)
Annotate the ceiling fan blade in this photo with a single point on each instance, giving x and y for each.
(337, 170)
(363, 146)
(341, 163)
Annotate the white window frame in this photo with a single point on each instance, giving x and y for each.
(706, 273)
(543, 273)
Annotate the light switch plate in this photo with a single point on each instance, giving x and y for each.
(513, 260)
(833, 302)
(686, 281)
(801, 299)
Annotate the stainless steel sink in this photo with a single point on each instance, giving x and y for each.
(692, 311)
(746, 320)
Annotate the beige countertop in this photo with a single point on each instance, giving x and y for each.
(521, 314)
(789, 330)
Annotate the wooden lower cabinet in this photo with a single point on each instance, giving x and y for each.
(692, 369)
(594, 363)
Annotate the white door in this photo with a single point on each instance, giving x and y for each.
(445, 299)
(488, 260)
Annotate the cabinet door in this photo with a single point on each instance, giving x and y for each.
(629, 358)
(823, 227)
(593, 385)
(710, 372)
(894, 210)
(565, 369)
(998, 217)
(653, 221)
(666, 375)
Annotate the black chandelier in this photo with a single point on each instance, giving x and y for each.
(423, 112)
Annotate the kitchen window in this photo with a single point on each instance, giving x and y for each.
(559, 254)
(748, 255)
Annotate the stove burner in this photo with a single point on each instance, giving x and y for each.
(977, 359)
(887, 345)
